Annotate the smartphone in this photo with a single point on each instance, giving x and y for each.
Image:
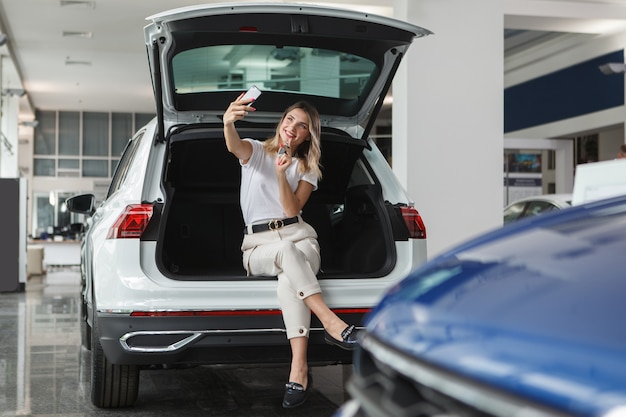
(253, 92)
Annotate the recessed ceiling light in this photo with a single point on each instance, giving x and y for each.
(87, 3)
(77, 34)
(77, 62)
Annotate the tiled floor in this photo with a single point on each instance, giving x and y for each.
(45, 372)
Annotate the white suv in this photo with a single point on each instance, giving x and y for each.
(163, 281)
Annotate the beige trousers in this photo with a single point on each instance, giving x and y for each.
(293, 255)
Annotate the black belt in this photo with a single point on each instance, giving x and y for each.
(272, 225)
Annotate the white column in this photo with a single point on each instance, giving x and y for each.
(448, 118)
(9, 114)
(9, 137)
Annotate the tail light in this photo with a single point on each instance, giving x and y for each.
(132, 222)
(414, 222)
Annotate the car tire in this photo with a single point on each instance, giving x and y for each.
(112, 386)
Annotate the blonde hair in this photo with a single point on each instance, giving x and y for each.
(309, 152)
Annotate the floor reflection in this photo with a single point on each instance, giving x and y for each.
(44, 371)
(41, 346)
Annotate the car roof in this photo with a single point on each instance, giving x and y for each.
(564, 198)
(535, 308)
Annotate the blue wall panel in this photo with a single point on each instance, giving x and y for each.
(574, 91)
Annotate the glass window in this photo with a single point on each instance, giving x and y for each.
(44, 215)
(295, 69)
(121, 132)
(69, 133)
(95, 134)
(538, 207)
(114, 163)
(513, 212)
(122, 169)
(45, 133)
(44, 167)
(82, 134)
(69, 163)
(95, 168)
(142, 119)
(50, 215)
(64, 216)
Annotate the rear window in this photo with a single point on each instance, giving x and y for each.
(293, 69)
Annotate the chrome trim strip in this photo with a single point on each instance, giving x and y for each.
(193, 336)
(481, 398)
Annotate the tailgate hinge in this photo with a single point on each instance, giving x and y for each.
(299, 24)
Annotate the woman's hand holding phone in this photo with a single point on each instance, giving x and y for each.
(252, 93)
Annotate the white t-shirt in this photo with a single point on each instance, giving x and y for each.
(259, 197)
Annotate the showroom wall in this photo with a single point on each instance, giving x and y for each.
(573, 91)
(541, 65)
(564, 95)
(69, 153)
(447, 112)
(449, 103)
(454, 74)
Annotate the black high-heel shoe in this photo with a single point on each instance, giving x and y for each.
(349, 338)
(295, 394)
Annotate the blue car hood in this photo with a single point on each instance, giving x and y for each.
(535, 309)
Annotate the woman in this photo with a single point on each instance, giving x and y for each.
(278, 176)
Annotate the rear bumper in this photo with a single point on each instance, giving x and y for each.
(209, 340)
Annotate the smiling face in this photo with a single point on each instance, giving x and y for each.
(294, 129)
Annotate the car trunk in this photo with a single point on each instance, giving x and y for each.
(200, 224)
(342, 62)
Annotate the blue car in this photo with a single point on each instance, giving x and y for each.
(527, 320)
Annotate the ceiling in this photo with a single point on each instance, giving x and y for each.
(89, 54)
